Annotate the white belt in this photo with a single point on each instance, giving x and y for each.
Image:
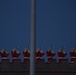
(38, 57)
(27, 57)
(14, 58)
(61, 57)
(73, 57)
(49, 57)
(4, 58)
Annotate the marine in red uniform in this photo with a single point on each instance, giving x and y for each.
(61, 54)
(15, 54)
(26, 54)
(4, 54)
(73, 55)
(50, 54)
(39, 54)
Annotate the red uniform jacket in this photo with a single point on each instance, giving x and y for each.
(61, 56)
(15, 55)
(4, 55)
(26, 55)
(73, 56)
(39, 55)
(50, 54)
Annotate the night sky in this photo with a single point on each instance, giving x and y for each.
(55, 24)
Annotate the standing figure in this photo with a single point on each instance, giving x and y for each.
(39, 54)
(61, 54)
(15, 54)
(50, 54)
(4, 54)
(73, 55)
(26, 54)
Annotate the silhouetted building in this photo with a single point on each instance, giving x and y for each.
(42, 68)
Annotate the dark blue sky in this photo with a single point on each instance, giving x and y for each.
(55, 24)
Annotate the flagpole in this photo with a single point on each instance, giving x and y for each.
(33, 37)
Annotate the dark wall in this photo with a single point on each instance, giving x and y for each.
(42, 68)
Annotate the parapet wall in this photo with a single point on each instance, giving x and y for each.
(42, 68)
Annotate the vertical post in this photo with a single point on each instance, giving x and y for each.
(33, 37)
